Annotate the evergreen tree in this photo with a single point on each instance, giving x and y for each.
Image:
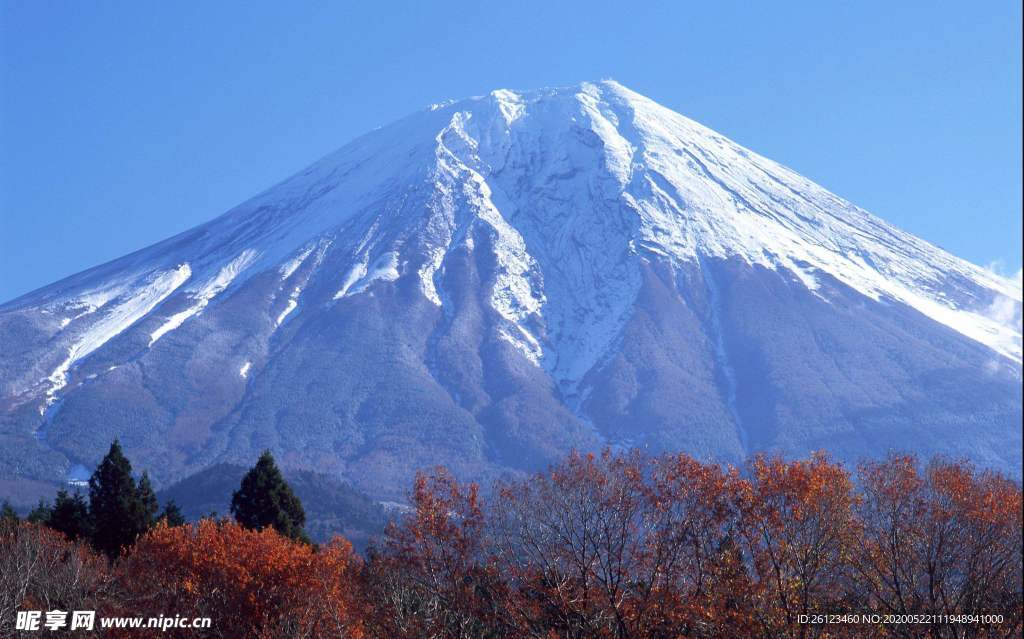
(118, 512)
(148, 504)
(172, 514)
(265, 499)
(41, 513)
(70, 515)
(7, 514)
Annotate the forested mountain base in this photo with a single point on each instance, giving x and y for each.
(616, 545)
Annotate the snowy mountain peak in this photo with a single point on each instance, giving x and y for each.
(679, 190)
(575, 185)
(549, 229)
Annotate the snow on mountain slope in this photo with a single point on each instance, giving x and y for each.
(557, 202)
(123, 311)
(207, 292)
(685, 191)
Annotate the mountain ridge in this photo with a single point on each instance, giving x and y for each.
(520, 237)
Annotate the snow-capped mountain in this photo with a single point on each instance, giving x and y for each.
(490, 282)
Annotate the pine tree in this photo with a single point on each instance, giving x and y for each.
(115, 504)
(172, 514)
(70, 515)
(41, 513)
(7, 514)
(148, 504)
(265, 499)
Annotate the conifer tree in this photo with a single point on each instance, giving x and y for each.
(114, 502)
(70, 515)
(148, 504)
(265, 499)
(41, 513)
(172, 514)
(7, 514)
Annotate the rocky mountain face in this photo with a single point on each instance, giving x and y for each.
(491, 282)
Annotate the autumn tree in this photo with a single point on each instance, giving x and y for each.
(623, 545)
(620, 545)
(796, 524)
(571, 541)
(40, 569)
(265, 499)
(693, 579)
(430, 576)
(251, 583)
(612, 546)
(943, 540)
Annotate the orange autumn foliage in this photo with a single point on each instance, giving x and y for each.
(615, 545)
(944, 541)
(254, 583)
(796, 527)
(429, 578)
(623, 545)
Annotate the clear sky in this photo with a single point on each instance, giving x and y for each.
(122, 123)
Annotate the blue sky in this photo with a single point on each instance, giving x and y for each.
(122, 123)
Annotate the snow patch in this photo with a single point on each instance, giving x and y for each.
(517, 290)
(510, 105)
(426, 275)
(356, 273)
(288, 268)
(361, 276)
(87, 303)
(207, 292)
(121, 314)
(293, 303)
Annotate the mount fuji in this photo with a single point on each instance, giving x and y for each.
(489, 283)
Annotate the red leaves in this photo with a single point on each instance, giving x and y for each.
(945, 540)
(260, 583)
(796, 527)
(428, 577)
(628, 546)
(599, 546)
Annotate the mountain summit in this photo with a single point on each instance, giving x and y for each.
(488, 283)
